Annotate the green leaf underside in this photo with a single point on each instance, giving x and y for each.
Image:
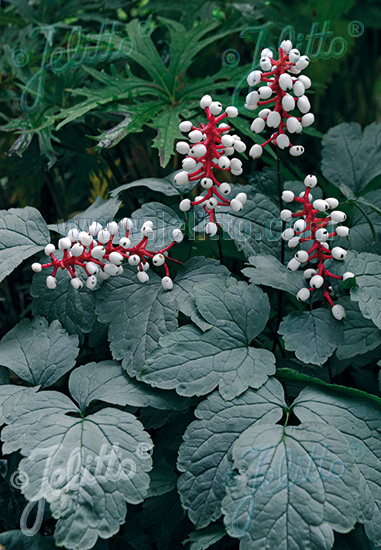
(294, 484)
(348, 155)
(269, 271)
(139, 314)
(318, 339)
(205, 455)
(23, 232)
(37, 352)
(194, 363)
(107, 381)
(359, 420)
(99, 490)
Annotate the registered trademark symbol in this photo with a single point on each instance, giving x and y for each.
(355, 28)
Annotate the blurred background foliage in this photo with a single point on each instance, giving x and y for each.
(80, 117)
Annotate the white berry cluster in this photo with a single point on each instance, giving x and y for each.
(311, 224)
(96, 254)
(281, 97)
(212, 147)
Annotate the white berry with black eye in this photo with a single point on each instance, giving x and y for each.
(177, 235)
(76, 283)
(338, 253)
(64, 243)
(224, 188)
(211, 229)
(231, 111)
(211, 203)
(91, 282)
(320, 205)
(286, 46)
(303, 104)
(182, 147)
(333, 203)
(337, 216)
(241, 197)
(206, 183)
(167, 283)
(288, 234)
(158, 260)
(265, 64)
(264, 113)
(292, 125)
(273, 120)
(307, 120)
(310, 181)
(198, 150)
(98, 252)
(112, 228)
(282, 141)
(73, 234)
(224, 162)
(309, 273)
(36, 267)
(94, 229)
(195, 136)
(322, 234)
(258, 125)
(77, 250)
(239, 146)
(227, 140)
(127, 224)
(288, 102)
(181, 178)
(116, 258)
(338, 312)
(342, 231)
(125, 242)
(215, 108)
(293, 265)
(205, 101)
(236, 205)
(251, 101)
(303, 295)
(296, 150)
(185, 126)
(189, 163)
(286, 215)
(143, 277)
(185, 205)
(302, 63)
(49, 249)
(301, 256)
(348, 275)
(294, 55)
(317, 281)
(134, 259)
(293, 242)
(298, 88)
(256, 151)
(300, 225)
(254, 78)
(265, 92)
(287, 196)
(51, 282)
(285, 82)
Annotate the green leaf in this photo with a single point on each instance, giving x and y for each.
(107, 381)
(101, 211)
(295, 485)
(16, 540)
(163, 185)
(359, 420)
(367, 269)
(75, 309)
(23, 411)
(195, 363)
(138, 315)
(256, 229)
(205, 457)
(360, 334)
(269, 271)
(196, 270)
(362, 236)
(201, 540)
(164, 520)
(348, 155)
(167, 125)
(38, 352)
(164, 219)
(23, 232)
(312, 335)
(88, 499)
(162, 478)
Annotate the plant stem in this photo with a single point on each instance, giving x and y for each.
(280, 293)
